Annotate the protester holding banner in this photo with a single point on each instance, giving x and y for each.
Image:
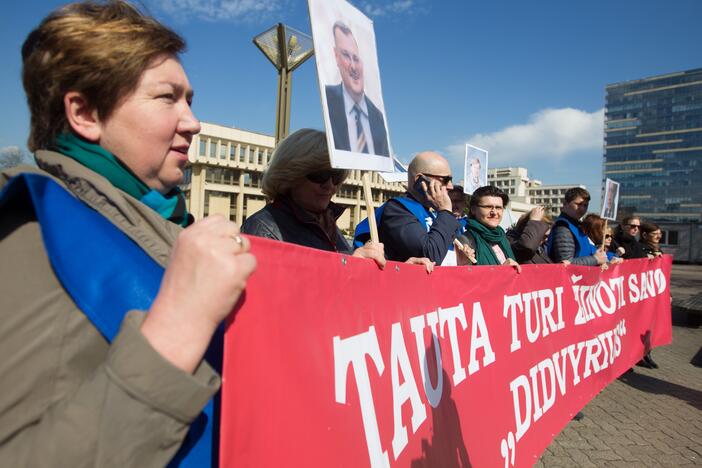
(610, 245)
(626, 236)
(459, 205)
(420, 223)
(567, 240)
(650, 245)
(529, 235)
(111, 125)
(650, 239)
(594, 226)
(301, 183)
(483, 233)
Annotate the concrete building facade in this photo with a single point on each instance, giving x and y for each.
(526, 193)
(226, 168)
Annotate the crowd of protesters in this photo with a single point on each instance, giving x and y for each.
(111, 125)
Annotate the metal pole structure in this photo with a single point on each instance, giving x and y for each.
(286, 48)
(282, 119)
(282, 123)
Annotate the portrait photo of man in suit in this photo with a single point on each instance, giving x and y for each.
(611, 200)
(357, 124)
(475, 170)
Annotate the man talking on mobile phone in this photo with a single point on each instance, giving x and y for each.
(419, 223)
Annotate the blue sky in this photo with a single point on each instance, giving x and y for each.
(523, 79)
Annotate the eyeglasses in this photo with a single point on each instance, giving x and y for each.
(321, 177)
(492, 207)
(445, 179)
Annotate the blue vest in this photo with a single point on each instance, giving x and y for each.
(126, 278)
(424, 216)
(583, 245)
(463, 224)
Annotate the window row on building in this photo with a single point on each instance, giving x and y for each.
(225, 174)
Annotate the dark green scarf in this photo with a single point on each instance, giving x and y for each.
(171, 206)
(485, 238)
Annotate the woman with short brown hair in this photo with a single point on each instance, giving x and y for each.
(88, 377)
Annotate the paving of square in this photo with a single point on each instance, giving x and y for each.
(648, 417)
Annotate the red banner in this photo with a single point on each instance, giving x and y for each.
(332, 362)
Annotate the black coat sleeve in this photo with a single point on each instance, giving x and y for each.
(404, 237)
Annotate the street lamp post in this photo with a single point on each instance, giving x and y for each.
(287, 49)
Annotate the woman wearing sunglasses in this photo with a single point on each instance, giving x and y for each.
(626, 236)
(594, 226)
(301, 183)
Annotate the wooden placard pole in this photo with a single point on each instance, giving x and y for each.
(369, 207)
(604, 234)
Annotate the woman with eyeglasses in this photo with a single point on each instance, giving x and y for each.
(301, 183)
(483, 233)
(650, 239)
(650, 245)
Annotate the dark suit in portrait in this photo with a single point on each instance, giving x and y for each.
(339, 124)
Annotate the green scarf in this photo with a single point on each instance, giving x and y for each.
(171, 206)
(485, 238)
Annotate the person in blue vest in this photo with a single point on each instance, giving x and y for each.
(300, 184)
(594, 226)
(459, 205)
(567, 241)
(421, 222)
(102, 349)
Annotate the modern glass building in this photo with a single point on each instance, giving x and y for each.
(653, 145)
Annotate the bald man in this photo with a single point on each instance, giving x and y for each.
(420, 223)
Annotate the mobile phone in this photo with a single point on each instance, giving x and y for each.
(419, 189)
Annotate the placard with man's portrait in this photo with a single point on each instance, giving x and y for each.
(475, 169)
(349, 83)
(610, 202)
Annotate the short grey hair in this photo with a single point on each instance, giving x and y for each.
(301, 153)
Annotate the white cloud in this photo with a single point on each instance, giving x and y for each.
(11, 156)
(5, 150)
(219, 10)
(389, 8)
(549, 134)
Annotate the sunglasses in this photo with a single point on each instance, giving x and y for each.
(445, 179)
(637, 226)
(321, 177)
(608, 236)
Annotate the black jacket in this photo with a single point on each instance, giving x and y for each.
(282, 220)
(648, 249)
(632, 248)
(404, 237)
(339, 124)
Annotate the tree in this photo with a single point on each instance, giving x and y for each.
(11, 156)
